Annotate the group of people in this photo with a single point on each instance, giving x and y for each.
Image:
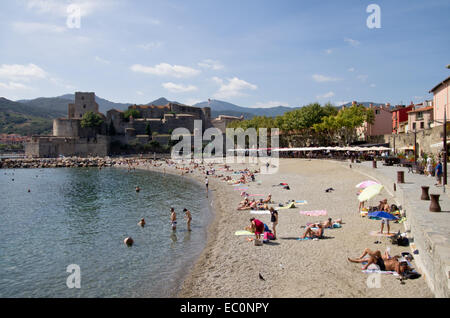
(258, 227)
(253, 204)
(187, 216)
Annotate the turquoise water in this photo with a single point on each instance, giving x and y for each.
(81, 216)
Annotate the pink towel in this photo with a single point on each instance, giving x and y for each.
(314, 213)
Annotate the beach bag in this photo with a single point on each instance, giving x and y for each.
(411, 275)
(258, 242)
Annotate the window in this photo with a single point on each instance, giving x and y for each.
(84, 106)
(414, 126)
(419, 116)
(422, 125)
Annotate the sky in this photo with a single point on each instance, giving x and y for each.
(253, 53)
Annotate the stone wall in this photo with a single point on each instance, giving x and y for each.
(427, 140)
(51, 147)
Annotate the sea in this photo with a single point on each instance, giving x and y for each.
(62, 232)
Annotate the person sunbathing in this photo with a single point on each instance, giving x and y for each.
(268, 200)
(314, 233)
(329, 223)
(385, 262)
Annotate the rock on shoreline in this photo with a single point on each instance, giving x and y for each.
(59, 162)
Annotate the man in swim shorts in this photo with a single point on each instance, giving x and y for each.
(173, 218)
(385, 262)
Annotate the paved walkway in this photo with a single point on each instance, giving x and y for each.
(429, 231)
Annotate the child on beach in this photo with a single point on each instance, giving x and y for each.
(173, 219)
(188, 216)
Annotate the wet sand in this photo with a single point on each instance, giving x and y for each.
(230, 265)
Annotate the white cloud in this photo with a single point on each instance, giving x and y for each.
(154, 21)
(269, 104)
(140, 93)
(328, 51)
(373, 85)
(103, 61)
(339, 103)
(150, 46)
(179, 88)
(192, 101)
(351, 69)
(322, 78)
(326, 95)
(13, 86)
(232, 88)
(211, 64)
(362, 77)
(21, 72)
(164, 69)
(33, 27)
(352, 42)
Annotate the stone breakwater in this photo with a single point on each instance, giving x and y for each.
(60, 162)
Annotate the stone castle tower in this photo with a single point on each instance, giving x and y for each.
(84, 102)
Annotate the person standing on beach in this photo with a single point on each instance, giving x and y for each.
(274, 220)
(438, 171)
(173, 218)
(206, 184)
(257, 227)
(188, 217)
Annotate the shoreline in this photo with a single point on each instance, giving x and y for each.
(228, 265)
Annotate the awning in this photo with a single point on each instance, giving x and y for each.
(407, 148)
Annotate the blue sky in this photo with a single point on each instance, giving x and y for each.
(253, 53)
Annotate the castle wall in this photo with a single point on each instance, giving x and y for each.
(64, 127)
(51, 147)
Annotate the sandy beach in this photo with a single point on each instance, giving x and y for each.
(230, 265)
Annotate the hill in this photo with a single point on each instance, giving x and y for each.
(23, 119)
(219, 107)
(103, 104)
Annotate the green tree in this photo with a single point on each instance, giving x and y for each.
(131, 112)
(148, 131)
(91, 119)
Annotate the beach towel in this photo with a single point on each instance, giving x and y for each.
(243, 232)
(256, 195)
(240, 189)
(259, 211)
(314, 213)
(289, 206)
(372, 271)
(301, 202)
(376, 233)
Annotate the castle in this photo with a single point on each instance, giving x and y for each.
(154, 123)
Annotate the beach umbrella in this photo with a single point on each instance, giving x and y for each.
(365, 184)
(370, 192)
(383, 215)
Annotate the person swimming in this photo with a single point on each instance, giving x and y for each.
(142, 222)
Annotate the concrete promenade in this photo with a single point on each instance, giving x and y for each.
(429, 232)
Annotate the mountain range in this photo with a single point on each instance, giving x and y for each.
(34, 116)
